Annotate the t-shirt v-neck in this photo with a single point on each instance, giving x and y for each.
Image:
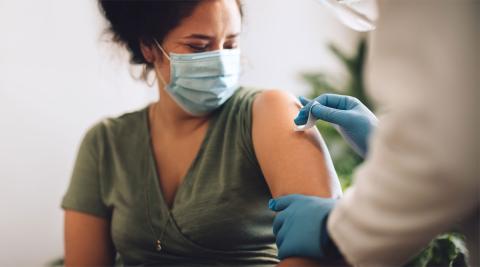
(191, 167)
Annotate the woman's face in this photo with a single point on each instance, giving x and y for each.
(213, 25)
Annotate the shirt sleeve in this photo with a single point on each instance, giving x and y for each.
(420, 176)
(84, 191)
(245, 118)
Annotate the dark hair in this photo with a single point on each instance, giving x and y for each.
(135, 21)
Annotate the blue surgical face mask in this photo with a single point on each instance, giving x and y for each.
(202, 82)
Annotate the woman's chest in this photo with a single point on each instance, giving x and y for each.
(173, 158)
(215, 210)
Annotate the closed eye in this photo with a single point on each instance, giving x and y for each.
(197, 48)
(231, 46)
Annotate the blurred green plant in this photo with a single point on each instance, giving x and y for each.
(446, 249)
(344, 158)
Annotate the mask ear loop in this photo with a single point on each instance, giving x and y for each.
(161, 49)
(167, 56)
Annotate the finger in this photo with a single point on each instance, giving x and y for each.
(304, 100)
(302, 117)
(342, 102)
(281, 235)
(278, 222)
(282, 203)
(332, 115)
(303, 114)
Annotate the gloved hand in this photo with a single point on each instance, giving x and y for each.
(300, 225)
(354, 120)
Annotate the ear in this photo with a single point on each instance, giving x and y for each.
(148, 52)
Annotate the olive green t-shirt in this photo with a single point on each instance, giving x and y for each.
(219, 216)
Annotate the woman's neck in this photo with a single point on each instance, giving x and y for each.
(170, 116)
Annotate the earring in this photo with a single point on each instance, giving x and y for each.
(146, 75)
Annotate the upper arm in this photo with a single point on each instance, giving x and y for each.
(87, 240)
(292, 162)
(87, 227)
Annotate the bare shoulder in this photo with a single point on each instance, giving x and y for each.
(275, 109)
(292, 162)
(275, 98)
(275, 95)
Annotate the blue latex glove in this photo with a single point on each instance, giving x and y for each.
(354, 120)
(300, 225)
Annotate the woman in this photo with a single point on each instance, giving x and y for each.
(186, 180)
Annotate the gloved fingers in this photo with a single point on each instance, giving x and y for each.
(335, 101)
(281, 203)
(281, 236)
(278, 221)
(304, 100)
(332, 115)
(302, 117)
(278, 242)
(304, 112)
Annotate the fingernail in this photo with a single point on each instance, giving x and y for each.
(271, 204)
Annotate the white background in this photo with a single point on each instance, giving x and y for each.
(58, 77)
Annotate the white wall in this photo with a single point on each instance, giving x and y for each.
(57, 78)
(285, 37)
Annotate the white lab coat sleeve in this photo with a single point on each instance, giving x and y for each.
(421, 175)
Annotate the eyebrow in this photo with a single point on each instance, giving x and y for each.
(207, 37)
